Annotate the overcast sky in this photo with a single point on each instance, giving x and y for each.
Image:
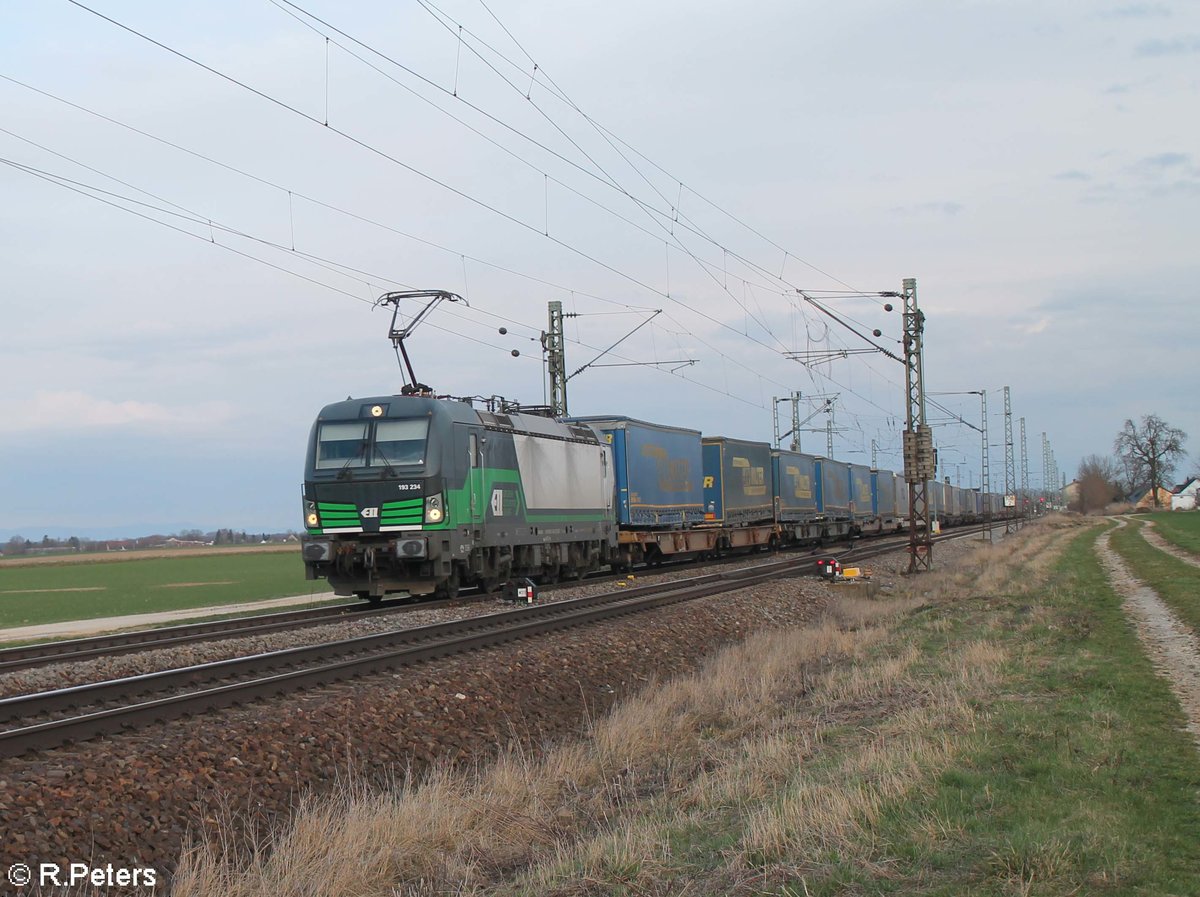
(192, 232)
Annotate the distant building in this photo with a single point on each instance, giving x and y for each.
(1070, 493)
(1184, 496)
(1145, 501)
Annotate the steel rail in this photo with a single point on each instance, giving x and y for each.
(72, 650)
(115, 644)
(420, 644)
(384, 651)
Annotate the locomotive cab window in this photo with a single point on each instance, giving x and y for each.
(400, 441)
(342, 445)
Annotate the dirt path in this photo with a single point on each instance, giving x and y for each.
(1173, 648)
(1152, 536)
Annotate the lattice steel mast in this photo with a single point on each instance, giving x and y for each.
(985, 484)
(556, 360)
(1010, 466)
(920, 463)
(1024, 473)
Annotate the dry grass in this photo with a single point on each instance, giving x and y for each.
(141, 554)
(739, 750)
(460, 831)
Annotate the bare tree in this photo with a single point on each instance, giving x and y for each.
(1098, 483)
(1151, 451)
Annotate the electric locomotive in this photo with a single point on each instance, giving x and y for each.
(419, 495)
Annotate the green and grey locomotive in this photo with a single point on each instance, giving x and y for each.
(417, 495)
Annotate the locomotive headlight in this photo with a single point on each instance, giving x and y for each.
(312, 518)
(434, 512)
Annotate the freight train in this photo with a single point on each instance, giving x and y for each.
(420, 495)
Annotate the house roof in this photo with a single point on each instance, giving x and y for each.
(1183, 485)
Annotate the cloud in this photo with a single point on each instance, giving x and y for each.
(939, 208)
(1168, 174)
(1138, 11)
(1037, 326)
(1176, 188)
(1073, 174)
(76, 410)
(1176, 46)
(1164, 161)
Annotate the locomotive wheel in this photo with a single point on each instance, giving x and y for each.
(448, 590)
(367, 596)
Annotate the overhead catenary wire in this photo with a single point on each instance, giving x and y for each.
(413, 169)
(433, 10)
(291, 191)
(110, 199)
(200, 219)
(260, 94)
(559, 93)
(501, 268)
(709, 267)
(603, 176)
(556, 91)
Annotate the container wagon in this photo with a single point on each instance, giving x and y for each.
(862, 502)
(833, 497)
(794, 486)
(883, 493)
(738, 492)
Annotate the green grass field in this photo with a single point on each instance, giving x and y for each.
(1081, 778)
(1180, 527)
(52, 593)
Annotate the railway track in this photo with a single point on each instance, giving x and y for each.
(131, 703)
(72, 650)
(115, 644)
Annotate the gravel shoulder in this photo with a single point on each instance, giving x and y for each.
(1173, 647)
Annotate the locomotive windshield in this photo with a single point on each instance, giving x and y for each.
(400, 441)
(381, 443)
(342, 445)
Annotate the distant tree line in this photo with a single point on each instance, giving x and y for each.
(1146, 455)
(21, 546)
